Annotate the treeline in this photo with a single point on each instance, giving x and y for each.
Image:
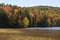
(38, 16)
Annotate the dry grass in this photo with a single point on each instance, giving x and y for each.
(25, 34)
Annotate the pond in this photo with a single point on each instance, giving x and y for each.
(46, 28)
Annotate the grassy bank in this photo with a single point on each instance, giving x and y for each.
(25, 34)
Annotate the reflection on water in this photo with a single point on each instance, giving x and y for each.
(46, 28)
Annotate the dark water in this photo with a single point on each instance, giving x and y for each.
(46, 28)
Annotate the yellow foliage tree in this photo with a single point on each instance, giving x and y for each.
(26, 21)
(31, 14)
(15, 11)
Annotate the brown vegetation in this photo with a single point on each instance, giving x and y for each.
(25, 34)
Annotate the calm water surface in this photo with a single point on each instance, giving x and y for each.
(46, 28)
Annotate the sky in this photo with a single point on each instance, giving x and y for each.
(29, 3)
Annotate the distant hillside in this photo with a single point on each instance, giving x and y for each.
(36, 16)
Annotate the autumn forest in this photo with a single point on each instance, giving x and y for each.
(12, 16)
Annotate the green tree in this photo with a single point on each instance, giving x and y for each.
(13, 20)
(3, 18)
